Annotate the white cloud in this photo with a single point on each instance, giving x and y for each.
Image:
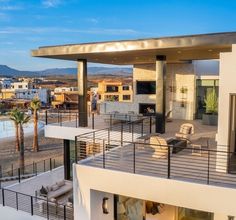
(39, 30)
(50, 3)
(4, 17)
(92, 20)
(9, 8)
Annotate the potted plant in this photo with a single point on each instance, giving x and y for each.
(211, 115)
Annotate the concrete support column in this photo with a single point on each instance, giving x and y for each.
(82, 87)
(160, 93)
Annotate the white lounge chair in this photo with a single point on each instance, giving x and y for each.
(160, 147)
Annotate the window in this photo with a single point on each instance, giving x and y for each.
(112, 88)
(125, 88)
(126, 97)
(146, 87)
(20, 87)
(112, 98)
(184, 213)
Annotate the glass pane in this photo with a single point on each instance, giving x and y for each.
(207, 82)
(191, 214)
(129, 208)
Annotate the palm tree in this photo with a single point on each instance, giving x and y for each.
(20, 119)
(14, 118)
(35, 105)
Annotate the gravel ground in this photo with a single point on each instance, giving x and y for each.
(48, 147)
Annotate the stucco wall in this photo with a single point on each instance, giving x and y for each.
(226, 87)
(214, 199)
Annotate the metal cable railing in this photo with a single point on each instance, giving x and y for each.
(35, 205)
(70, 118)
(186, 163)
(30, 170)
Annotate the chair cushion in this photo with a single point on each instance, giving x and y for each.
(185, 129)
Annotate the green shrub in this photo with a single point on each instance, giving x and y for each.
(211, 102)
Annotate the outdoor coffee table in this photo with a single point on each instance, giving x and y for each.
(177, 145)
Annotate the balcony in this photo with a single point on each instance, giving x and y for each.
(204, 165)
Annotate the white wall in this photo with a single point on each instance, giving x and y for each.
(60, 132)
(96, 205)
(172, 192)
(227, 85)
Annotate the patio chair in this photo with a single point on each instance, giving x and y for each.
(185, 132)
(160, 147)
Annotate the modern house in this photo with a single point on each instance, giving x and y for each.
(114, 91)
(65, 97)
(121, 172)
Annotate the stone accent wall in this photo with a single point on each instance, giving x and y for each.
(180, 88)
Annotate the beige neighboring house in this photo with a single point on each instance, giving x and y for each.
(114, 91)
(65, 97)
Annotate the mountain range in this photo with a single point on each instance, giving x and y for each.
(6, 71)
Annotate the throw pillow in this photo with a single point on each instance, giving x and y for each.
(55, 187)
(61, 183)
(43, 191)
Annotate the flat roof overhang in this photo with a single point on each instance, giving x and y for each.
(129, 52)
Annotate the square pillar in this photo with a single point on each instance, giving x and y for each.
(82, 88)
(160, 93)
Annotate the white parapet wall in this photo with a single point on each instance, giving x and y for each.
(227, 86)
(218, 200)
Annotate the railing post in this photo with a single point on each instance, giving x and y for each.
(3, 197)
(64, 212)
(44, 166)
(76, 150)
(110, 121)
(58, 116)
(121, 133)
(17, 204)
(12, 170)
(129, 123)
(50, 161)
(142, 127)
(104, 165)
(134, 161)
(76, 120)
(208, 167)
(69, 115)
(150, 125)
(54, 163)
(19, 175)
(31, 204)
(168, 171)
(92, 120)
(36, 169)
(109, 137)
(46, 117)
(47, 210)
(132, 131)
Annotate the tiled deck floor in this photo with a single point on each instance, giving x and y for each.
(184, 165)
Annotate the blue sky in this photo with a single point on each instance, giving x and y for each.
(28, 24)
